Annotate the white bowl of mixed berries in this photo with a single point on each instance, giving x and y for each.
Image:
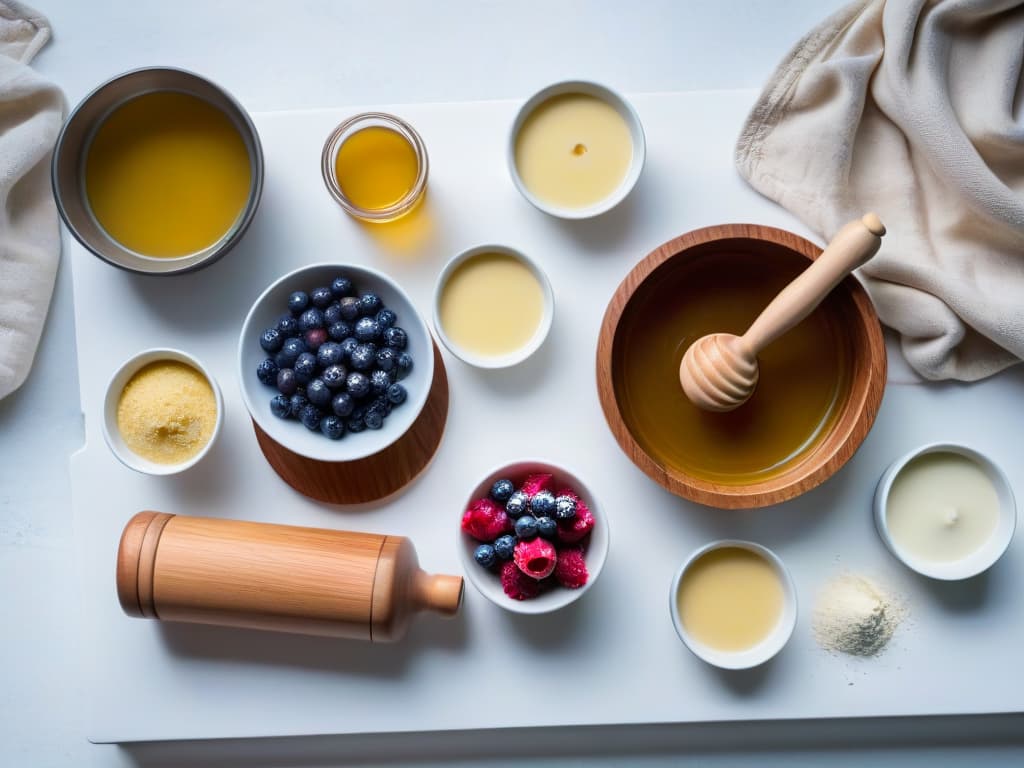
(532, 538)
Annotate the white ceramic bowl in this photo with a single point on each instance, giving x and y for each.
(116, 385)
(770, 645)
(489, 583)
(495, 361)
(290, 433)
(636, 131)
(973, 564)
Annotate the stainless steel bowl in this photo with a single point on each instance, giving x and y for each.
(73, 144)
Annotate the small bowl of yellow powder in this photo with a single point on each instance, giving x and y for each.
(162, 412)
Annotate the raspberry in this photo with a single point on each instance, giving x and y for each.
(535, 483)
(536, 558)
(571, 568)
(485, 521)
(575, 528)
(517, 584)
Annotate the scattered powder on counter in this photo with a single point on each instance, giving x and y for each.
(854, 615)
(167, 412)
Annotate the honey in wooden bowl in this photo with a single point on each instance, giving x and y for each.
(820, 384)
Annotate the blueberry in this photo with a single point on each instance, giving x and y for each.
(358, 385)
(348, 346)
(386, 359)
(542, 503)
(386, 318)
(395, 337)
(547, 527)
(355, 421)
(379, 382)
(318, 393)
(271, 340)
(310, 417)
(382, 404)
(287, 325)
(517, 505)
(367, 329)
(310, 319)
(565, 507)
(341, 287)
(369, 304)
(485, 555)
(349, 308)
(339, 331)
(396, 394)
(332, 314)
(297, 402)
(298, 301)
(321, 297)
(315, 338)
(266, 372)
(286, 382)
(280, 406)
(526, 527)
(305, 367)
(332, 426)
(290, 351)
(362, 358)
(334, 376)
(329, 354)
(374, 418)
(343, 404)
(505, 546)
(501, 490)
(403, 365)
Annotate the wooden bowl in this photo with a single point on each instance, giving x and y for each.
(736, 254)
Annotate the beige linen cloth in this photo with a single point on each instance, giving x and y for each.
(915, 110)
(31, 111)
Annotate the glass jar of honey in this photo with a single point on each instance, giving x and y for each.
(375, 166)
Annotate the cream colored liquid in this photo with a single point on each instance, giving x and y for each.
(942, 507)
(573, 151)
(730, 599)
(491, 305)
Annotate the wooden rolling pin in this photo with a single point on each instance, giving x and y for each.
(284, 578)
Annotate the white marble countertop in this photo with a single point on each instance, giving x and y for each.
(319, 53)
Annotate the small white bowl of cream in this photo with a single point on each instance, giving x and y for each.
(493, 306)
(576, 149)
(945, 511)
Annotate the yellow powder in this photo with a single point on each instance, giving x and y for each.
(167, 412)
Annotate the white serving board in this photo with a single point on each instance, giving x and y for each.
(612, 657)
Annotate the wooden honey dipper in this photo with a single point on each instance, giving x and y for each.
(719, 371)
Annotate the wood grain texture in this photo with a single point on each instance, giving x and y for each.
(853, 422)
(283, 578)
(374, 477)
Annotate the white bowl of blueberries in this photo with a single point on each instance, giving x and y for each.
(335, 363)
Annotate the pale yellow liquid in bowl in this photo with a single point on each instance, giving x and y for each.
(491, 305)
(573, 151)
(167, 174)
(730, 599)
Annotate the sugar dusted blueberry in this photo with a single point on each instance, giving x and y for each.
(310, 417)
(321, 297)
(565, 507)
(379, 382)
(287, 325)
(297, 402)
(332, 314)
(305, 367)
(271, 340)
(386, 359)
(526, 527)
(386, 318)
(298, 302)
(518, 504)
(575, 528)
(542, 503)
(342, 404)
(369, 304)
(362, 357)
(310, 319)
(348, 346)
(280, 406)
(349, 308)
(334, 376)
(329, 354)
(485, 556)
(358, 385)
(547, 528)
(403, 365)
(367, 329)
(266, 372)
(318, 393)
(332, 426)
(286, 382)
(502, 490)
(396, 394)
(339, 331)
(395, 337)
(341, 287)
(505, 546)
